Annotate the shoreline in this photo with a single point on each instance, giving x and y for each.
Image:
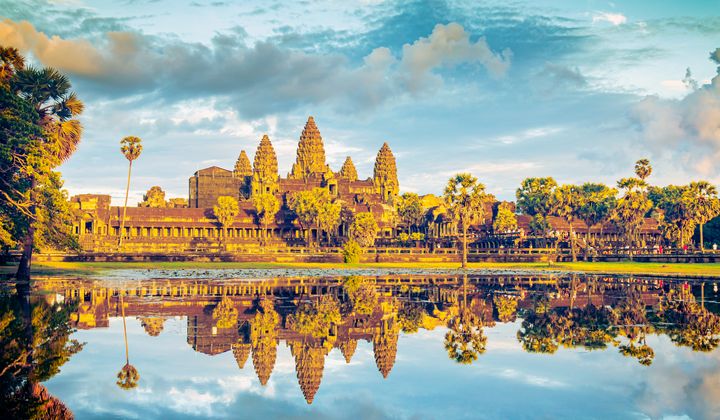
(668, 270)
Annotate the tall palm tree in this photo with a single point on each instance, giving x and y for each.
(704, 204)
(465, 198)
(131, 147)
(643, 169)
(128, 376)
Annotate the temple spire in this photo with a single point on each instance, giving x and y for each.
(265, 168)
(348, 170)
(310, 153)
(242, 165)
(385, 174)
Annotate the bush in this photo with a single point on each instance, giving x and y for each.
(351, 252)
(417, 236)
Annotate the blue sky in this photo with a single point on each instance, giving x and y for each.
(506, 90)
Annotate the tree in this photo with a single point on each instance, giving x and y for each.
(534, 198)
(329, 217)
(598, 204)
(128, 376)
(567, 202)
(316, 208)
(364, 229)
(410, 210)
(266, 207)
(465, 199)
(505, 219)
(39, 131)
(631, 209)
(154, 197)
(643, 169)
(704, 205)
(677, 218)
(131, 147)
(225, 211)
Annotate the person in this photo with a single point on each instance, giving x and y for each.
(714, 247)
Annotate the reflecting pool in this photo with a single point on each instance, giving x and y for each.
(390, 346)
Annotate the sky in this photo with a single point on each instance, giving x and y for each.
(502, 89)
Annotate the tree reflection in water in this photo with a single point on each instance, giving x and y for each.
(315, 316)
(35, 342)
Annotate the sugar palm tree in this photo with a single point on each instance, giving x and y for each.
(465, 198)
(704, 204)
(643, 169)
(131, 147)
(128, 376)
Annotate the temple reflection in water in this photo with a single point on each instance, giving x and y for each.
(315, 316)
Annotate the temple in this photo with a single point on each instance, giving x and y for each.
(190, 226)
(194, 227)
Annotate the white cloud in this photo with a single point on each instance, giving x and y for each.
(689, 127)
(613, 18)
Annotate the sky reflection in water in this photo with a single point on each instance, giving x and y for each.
(504, 382)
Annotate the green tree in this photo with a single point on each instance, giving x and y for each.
(567, 202)
(131, 148)
(598, 204)
(364, 229)
(704, 205)
(505, 219)
(677, 218)
(534, 198)
(39, 131)
(410, 210)
(154, 197)
(316, 209)
(465, 199)
(329, 217)
(266, 207)
(643, 169)
(225, 211)
(631, 209)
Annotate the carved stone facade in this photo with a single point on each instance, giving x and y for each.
(173, 229)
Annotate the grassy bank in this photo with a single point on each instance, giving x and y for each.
(666, 269)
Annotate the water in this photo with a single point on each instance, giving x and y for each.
(391, 346)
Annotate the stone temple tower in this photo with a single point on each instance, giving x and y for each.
(385, 174)
(243, 172)
(310, 153)
(265, 168)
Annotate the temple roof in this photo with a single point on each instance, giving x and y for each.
(310, 153)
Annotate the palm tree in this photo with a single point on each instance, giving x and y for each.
(48, 92)
(128, 376)
(465, 198)
(11, 61)
(704, 204)
(568, 200)
(643, 169)
(131, 147)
